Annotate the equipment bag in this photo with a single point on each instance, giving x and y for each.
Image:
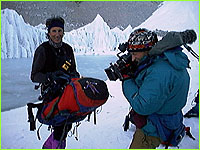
(171, 135)
(169, 127)
(78, 99)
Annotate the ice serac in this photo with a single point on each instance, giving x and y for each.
(94, 38)
(20, 39)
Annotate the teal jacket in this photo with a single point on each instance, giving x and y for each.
(161, 88)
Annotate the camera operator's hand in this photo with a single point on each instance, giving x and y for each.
(126, 77)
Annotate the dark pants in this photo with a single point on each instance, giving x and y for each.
(58, 131)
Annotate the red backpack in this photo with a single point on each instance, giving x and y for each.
(78, 99)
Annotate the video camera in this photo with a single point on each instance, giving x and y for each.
(124, 67)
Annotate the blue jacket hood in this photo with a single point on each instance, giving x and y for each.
(177, 58)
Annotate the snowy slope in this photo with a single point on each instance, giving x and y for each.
(108, 133)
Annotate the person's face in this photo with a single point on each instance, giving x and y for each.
(56, 34)
(137, 56)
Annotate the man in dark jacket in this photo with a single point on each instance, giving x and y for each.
(53, 58)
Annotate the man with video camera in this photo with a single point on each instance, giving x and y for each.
(157, 91)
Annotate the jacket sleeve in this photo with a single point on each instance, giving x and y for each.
(38, 64)
(151, 95)
(74, 72)
(129, 89)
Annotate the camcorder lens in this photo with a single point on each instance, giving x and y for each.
(119, 68)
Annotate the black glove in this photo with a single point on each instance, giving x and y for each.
(188, 36)
(59, 77)
(54, 76)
